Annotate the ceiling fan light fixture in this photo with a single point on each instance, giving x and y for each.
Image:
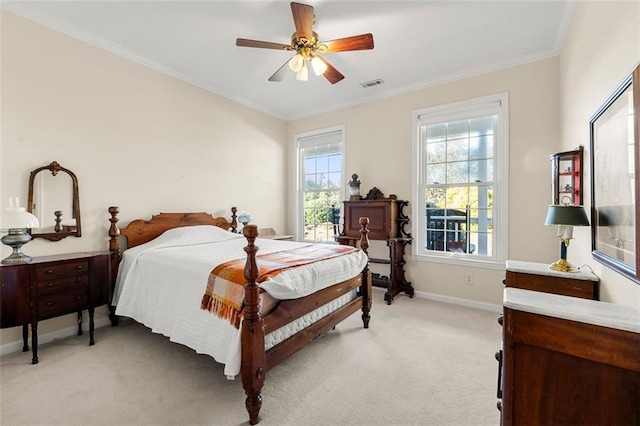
(296, 63)
(319, 66)
(303, 73)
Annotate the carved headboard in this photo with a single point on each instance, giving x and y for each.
(141, 231)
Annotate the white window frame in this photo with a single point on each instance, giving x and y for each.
(452, 112)
(299, 141)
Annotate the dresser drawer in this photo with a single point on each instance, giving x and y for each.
(61, 284)
(61, 270)
(60, 303)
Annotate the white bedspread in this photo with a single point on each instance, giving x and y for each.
(161, 284)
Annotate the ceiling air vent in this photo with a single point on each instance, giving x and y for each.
(372, 83)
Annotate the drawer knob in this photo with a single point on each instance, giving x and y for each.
(79, 267)
(78, 280)
(78, 297)
(49, 284)
(49, 303)
(49, 271)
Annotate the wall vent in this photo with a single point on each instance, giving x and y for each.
(372, 83)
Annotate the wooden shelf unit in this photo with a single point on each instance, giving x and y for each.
(386, 223)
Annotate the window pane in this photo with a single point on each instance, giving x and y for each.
(436, 152)
(436, 133)
(323, 164)
(458, 172)
(481, 147)
(458, 130)
(481, 126)
(320, 210)
(335, 162)
(481, 171)
(334, 180)
(435, 197)
(310, 164)
(310, 182)
(457, 197)
(321, 185)
(458, 150)
(436, 173)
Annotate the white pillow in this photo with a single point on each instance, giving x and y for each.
(197, 234)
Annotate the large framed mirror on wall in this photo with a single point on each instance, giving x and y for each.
(55, 200)
(615, 134)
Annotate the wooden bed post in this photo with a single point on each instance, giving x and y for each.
(366, 286)
(114, 251)
(254, 365)
(234, 221)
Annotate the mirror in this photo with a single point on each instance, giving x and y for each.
(54, 200)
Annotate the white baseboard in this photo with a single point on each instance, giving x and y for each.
(49, 337)
(461, 302)
(454, 301)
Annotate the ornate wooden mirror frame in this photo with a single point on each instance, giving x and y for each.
(60, 230)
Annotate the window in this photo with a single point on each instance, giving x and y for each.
(319, 194)
(460, 182)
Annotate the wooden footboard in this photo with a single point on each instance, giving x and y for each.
(255, 360)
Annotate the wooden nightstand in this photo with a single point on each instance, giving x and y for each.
(51, 286)
(270, 233)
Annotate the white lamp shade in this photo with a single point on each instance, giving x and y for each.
(319, 66)
(296, 63)
(303, 74)
(18, 218)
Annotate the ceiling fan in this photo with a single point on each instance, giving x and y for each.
(307, 47)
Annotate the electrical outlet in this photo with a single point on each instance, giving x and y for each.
(468, 278)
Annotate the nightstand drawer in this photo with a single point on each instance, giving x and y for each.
(59, 303)
(62, 270)
(53, 285)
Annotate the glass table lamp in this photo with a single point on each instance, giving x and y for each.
(244, 218)
(16, 221)
(566, 216)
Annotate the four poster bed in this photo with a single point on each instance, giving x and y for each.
(249, 319)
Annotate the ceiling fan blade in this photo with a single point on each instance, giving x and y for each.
(303, 19)
(243, 42)
(331, 74)
(282, 71)
(359, 42)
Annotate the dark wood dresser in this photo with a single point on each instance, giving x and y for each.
(538, 277)
(569, 361)
(386, 223)
(51, 286)
(532, 276)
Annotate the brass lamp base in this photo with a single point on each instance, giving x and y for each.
(562, 266)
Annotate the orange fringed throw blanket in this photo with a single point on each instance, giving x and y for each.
(225, 287)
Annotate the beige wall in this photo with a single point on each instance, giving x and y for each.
(135, 138)
(149, 143)
(602, 46)
(379, 150)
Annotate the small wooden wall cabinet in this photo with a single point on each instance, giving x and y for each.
(569, 361)
(51, 286)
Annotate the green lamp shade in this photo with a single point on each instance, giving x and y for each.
(566, 215)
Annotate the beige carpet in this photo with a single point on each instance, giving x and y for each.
(419, 363)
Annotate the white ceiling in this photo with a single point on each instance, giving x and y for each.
(417, 43)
